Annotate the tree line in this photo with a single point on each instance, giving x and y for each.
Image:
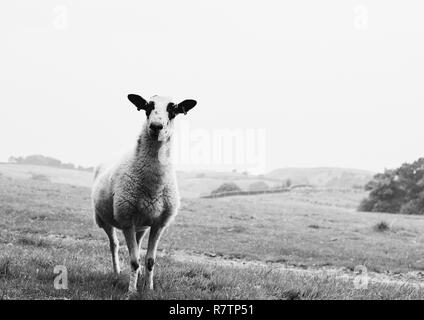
(398, 190)
(40, 160)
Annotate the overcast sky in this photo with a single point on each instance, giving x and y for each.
(331, 83)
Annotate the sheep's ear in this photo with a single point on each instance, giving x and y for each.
(185, 106)
(138, 101)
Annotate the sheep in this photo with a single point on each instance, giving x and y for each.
(140, 190)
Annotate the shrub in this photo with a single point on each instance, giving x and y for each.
(227, 187)
(366, 205)
(40, 177)
(288, 183)
(381, 226)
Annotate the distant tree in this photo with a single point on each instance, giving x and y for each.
(288, 183)
(38, 159)
(397, 191)
(227, 187)
(13, 159)
(200, 175)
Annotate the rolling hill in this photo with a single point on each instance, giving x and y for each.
(195, 184)
(323, 176)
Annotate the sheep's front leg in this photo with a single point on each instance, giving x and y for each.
(133, 250)
(154, 237)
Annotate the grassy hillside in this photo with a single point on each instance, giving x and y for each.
(191, 185)
(43, 224)
(58, 175)
(196, 184)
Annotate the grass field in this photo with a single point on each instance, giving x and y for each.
(299, 245)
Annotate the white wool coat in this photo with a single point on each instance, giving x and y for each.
(140, 189)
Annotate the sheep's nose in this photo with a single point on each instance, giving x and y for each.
(156, 126)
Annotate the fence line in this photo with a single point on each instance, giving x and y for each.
(245, 193)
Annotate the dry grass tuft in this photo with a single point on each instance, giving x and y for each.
(382, 226)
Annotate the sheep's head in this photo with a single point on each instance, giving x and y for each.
(161, 112)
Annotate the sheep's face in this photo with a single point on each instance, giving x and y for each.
(161, 112)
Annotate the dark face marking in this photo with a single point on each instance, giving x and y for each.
(160, 112)
(150, 107)
(171, 111)
(150, 263)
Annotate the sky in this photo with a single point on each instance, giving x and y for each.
(286, 84)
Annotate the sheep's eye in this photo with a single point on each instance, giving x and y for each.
(171, 110)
